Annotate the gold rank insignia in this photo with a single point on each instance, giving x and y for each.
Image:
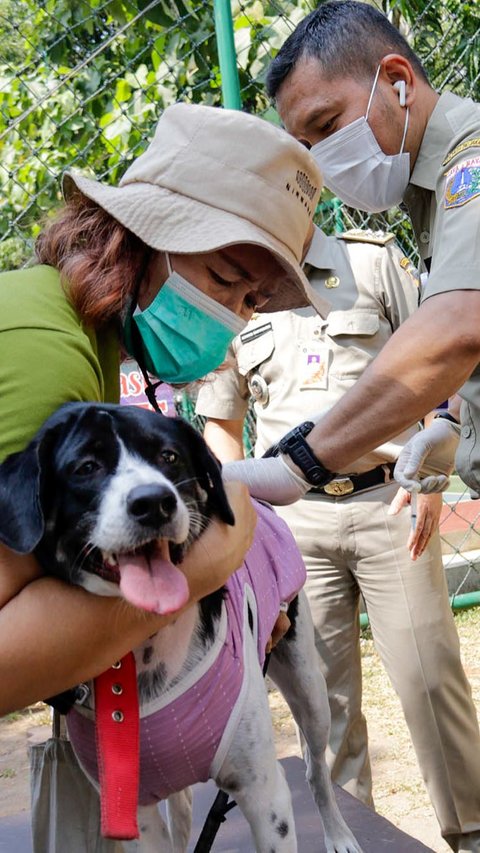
(409, 268)
(367, 235)
(464, 146)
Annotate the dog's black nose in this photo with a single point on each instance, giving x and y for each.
(151, 505)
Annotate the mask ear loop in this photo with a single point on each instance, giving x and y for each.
(370, 104)
(405, 131)
(150, 387)
(372, 92)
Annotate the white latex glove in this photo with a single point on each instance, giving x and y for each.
(269, 479)
(427, 460)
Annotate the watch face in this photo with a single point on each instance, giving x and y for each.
(296, 433)
(306, 427)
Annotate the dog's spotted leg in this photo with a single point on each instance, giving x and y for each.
(179, 816)
(250, 772)
(293, 667)
(266, 804)
(154, 833)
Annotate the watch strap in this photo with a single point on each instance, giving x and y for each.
(300, 452)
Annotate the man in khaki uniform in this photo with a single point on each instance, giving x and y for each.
(347, 84)
(443, 200)
(295, 365)
(382, 136)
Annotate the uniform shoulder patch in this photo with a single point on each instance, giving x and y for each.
(474, 142)
(366, 235)
(463, 183)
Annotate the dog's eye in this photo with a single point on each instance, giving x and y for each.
(169, 456)
(87, 468)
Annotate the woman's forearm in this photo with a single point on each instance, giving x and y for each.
(53, 635)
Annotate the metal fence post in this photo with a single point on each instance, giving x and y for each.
(227, 57)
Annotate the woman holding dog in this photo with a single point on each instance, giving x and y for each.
(206, 225)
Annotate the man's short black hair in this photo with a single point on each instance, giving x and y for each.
(347, 37)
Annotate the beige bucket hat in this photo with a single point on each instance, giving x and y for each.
(213, 178)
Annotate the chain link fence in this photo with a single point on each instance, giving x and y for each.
(83, 83)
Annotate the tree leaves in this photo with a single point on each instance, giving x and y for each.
(83, 83)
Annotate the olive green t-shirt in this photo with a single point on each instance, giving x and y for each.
(48, 356)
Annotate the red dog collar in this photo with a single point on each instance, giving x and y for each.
(117, 738)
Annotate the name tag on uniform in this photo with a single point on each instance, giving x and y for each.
(257, 332)
(315, 361)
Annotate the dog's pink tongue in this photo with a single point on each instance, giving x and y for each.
(153, 584)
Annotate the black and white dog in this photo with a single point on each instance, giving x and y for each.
(110, 498)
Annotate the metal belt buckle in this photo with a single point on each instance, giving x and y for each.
(339, 487)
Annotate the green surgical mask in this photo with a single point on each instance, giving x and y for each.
(184, 333)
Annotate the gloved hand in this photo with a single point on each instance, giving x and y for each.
(427, 460)
(269, 479)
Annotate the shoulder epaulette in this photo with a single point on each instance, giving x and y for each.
(474, 142)
(366, 235)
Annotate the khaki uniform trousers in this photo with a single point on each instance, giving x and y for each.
(351, 546)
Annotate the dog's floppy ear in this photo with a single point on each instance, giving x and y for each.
(209, 476)
(21, 517)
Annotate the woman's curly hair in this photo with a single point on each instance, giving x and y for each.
(99, 260)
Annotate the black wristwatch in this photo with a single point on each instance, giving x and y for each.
(295, 446)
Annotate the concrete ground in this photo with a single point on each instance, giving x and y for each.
(373, 832)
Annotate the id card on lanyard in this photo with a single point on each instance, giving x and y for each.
(315, 358)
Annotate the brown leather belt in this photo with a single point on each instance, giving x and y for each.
(342, 486)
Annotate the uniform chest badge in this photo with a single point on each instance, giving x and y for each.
(259, 390)
(463, 183)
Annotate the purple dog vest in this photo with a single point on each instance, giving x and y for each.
(186, 733)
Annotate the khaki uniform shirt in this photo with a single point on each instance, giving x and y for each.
(297, 365)
(443, 199)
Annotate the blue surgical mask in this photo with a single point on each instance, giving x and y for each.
(184, 333)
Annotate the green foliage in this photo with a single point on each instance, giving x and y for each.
(83, 82)
(446, 36)
(83, 88)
